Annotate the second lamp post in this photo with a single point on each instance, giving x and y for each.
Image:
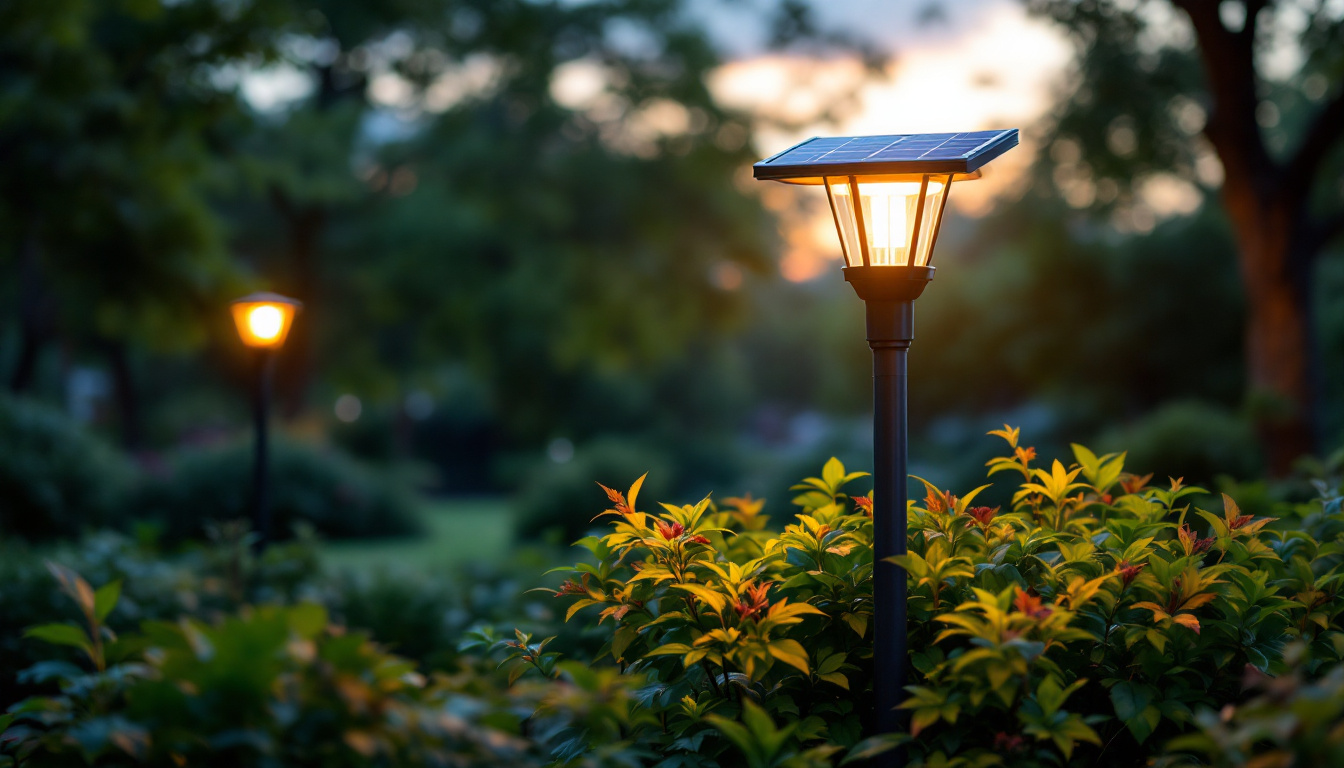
(887, 195)
(263, 321)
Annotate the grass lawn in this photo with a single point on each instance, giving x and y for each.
(457, 531)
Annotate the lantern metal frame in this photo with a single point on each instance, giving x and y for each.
(912, 247)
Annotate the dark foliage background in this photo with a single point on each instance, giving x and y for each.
(524, 288)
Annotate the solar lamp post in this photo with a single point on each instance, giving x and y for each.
(263, 321)
(887, 195)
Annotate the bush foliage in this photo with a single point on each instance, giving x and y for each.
(267, 686)
(1098, 618)
(1085, 624)
(56, 480)
(324, 489)
(556, 499)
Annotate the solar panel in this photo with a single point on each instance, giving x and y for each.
(899, 154)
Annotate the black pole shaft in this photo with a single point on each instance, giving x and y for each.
(890, 331)
(261, 407)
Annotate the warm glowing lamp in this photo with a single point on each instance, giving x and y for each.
(887, 196)
(263, 319)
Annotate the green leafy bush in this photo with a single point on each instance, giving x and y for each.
(556, 500)
(56, 480)
(1083, 625)
(1293, 720)
(266, 686)
(335, 495)
(283, 685)
(202, 581)
(420, 616)
(1097, 619)
(423, 615)
(1192, 439)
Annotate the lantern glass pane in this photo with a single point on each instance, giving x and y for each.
(888, 219)
(928, 228)
(842, 208)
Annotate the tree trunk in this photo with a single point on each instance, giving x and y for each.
(299, 360)
(35, 316)
(1278, 319)
(1266, 201)
(123, 390)
(25, 368)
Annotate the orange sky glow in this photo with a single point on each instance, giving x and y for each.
(999, 72)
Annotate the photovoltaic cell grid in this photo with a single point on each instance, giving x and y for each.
(910, 153)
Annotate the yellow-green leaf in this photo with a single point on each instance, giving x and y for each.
(105, 599)
(837, 679)
(790, 652)
(857, 623)
(60, 634)
(717, 601)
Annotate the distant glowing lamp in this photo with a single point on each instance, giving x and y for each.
(887, 196)
(263, 319)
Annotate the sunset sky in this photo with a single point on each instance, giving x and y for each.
(980, 64)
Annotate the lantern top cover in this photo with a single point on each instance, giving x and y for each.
(898, 155)
(266, 297)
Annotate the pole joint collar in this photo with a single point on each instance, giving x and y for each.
(891, 324)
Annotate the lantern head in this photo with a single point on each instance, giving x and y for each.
(887, 195)
(264, 319)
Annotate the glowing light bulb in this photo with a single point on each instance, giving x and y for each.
(265, 322)
(888, 210)
(263, 319)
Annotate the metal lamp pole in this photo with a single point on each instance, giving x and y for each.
(261, 409)
(889, 334)
(889, 294)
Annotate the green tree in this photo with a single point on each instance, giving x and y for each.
(438, 196)
(110, 123)
(1149, 98)
(445, 197)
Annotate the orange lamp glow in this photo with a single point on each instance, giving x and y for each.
(264, 319)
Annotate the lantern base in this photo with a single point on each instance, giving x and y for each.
(888, 283)
(891, 324)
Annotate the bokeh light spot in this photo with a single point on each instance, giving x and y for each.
(348, 408)
(560, 450)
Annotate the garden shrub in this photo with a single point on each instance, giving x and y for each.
(1193, 439)
(202, 581)
(337, 496)
(270, 685)
(1084, 624)
(282, 685)
(423, 615)
(556, 500)
(1295, 719)
(56, 479)
(1097, 619)
(417, 615)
